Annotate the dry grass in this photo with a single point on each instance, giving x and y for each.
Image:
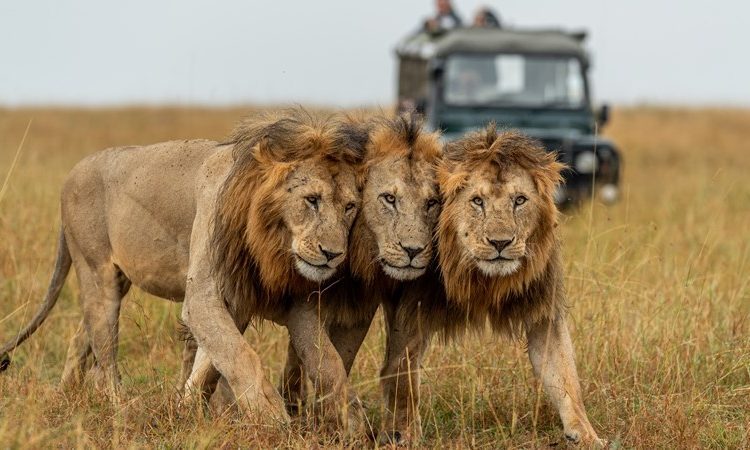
(658, 287)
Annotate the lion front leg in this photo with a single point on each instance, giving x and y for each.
(219, 337)
(201, 382)
(405, 347)
(551, 354)
(292, 385)
(346, 339)
(324, 366)
(216, 331)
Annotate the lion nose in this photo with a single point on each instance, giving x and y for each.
(412, 251)
(500, 244)
(329, 254)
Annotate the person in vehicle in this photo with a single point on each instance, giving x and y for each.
(486, 18)
(445, 19)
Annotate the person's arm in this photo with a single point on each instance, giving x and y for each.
(456, 19)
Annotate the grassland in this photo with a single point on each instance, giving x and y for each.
(659, 288)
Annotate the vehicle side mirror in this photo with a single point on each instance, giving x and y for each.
(602, 116)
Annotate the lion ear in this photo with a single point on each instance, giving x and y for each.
(454, 152)
(451, 183)
(265, 152)
(353, 135)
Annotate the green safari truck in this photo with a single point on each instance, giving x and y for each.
(532, 80)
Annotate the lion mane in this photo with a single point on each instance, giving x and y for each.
(250, 243)
(400, 136)
(533, 292)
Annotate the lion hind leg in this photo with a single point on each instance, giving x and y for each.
(77, 361)
(552, 357)
(102, 291)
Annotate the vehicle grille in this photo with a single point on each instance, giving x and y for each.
(557, 145)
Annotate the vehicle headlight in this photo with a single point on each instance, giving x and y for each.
(560, 195)
(585, 162)
(609, 193)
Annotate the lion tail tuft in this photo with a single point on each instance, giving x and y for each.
(62, 267)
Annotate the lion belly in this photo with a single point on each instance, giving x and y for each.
(134, 207)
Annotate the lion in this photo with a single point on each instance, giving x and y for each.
(391, 240)
(499, 261)
(241, 225)
(391, 243)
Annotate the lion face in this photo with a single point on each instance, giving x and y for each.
(496, 232)
(401, 206)
(495, 219)
(318, 210)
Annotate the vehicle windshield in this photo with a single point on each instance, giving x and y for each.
(514, 80)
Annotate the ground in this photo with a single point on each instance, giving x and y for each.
(658, 287)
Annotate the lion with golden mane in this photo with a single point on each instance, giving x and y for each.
(391, 243)
(499, 260)
(242, 226)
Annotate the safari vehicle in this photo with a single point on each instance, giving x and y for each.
(532, 80)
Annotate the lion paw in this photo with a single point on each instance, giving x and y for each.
(393, 438)
(4, 362)
(585, 439)
(406, 437)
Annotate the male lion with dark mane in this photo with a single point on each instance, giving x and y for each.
(230, 227)
(391, 243)
(499, 257)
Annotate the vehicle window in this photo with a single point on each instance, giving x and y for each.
(514, 80)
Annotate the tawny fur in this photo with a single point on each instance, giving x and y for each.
(117, 203)
(399, 152)
(250, 243)
(508, 300)
(399, 137)
(482, 177)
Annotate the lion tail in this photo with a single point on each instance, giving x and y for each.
(62, 267)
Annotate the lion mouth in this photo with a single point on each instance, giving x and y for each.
(404, 267)
(498, 258)
(402, 273)
(319, 266)
(498, 266)
(313, 272)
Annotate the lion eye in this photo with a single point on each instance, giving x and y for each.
(520, 200)
(477, 201)
(312, 200)
(431, 203)
(350, 206)
(389, 198)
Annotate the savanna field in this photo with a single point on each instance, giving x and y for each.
(659, 288)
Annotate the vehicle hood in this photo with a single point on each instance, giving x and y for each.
(561, 124)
